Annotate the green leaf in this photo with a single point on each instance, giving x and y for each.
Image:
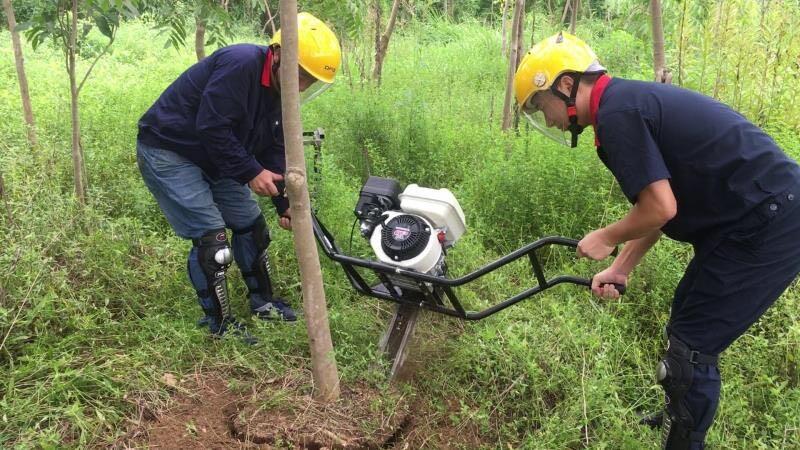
(102, 25)
(131, 9)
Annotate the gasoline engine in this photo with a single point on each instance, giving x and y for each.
(411, 229)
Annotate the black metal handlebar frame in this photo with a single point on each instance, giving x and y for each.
(434, 291)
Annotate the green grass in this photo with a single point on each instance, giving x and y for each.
(95, 305)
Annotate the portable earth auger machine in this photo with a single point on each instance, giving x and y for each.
(410, 231)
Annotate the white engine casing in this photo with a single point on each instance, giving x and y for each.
(424, 262)
(438, 206)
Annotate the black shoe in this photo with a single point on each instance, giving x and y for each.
(277, 309)
(653, 420)
(234, 327)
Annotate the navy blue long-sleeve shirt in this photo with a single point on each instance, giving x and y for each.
(222, 115)
(720, 166)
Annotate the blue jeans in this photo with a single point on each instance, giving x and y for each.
(195, 204)
(192, 202)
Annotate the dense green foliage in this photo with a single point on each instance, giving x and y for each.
(95, 305)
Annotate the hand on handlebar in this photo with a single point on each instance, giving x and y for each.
(595, 246)
(609, 283)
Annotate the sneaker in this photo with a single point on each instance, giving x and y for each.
(277, 309)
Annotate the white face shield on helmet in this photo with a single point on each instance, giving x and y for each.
(536, 117)
(310, 86)
(313, 91)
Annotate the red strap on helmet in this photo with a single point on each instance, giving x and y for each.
(572, 111)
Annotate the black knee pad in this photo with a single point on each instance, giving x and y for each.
(261, 268)
(675, 373)
(215, 256)
(261, 234)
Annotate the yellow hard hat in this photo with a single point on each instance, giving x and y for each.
(550, 58)
(318, 50)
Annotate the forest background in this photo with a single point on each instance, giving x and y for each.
(95, 307)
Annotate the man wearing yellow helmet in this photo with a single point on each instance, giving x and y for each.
(697, 171)
(214, 137)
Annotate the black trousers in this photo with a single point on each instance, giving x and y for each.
(727, 287)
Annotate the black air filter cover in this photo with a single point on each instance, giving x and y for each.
(404, 237)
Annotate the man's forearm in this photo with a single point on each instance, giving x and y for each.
(633, 251)
(638, 223)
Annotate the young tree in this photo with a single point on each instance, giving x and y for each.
(3, 195)
(662, 74)
(323, 362)
(573, 19)
(512, 64)
(210, 18)
(67, 23)
(23, 79)
(504, 26)
(199, 37)
(270, 20)
(382, 43)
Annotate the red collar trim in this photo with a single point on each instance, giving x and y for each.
(266, 72)
(594, 102)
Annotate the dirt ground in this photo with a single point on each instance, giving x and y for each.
(209, 410)
(206, 413)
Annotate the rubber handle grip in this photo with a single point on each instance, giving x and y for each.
(619, 287)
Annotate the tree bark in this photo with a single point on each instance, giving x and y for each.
(323, 362)
(574, 16)
(270, 19)
(383, 43)
(200, 38)
(662, 75)
(520, 34)
(30, 125)
(512, 66)
(567, 7)
(4, 196)
(503, 27)
(533, 23)
(78, 166)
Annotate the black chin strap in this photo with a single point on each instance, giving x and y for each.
(572, 112)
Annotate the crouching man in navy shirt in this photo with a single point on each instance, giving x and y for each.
(697, 171)
(214, 137)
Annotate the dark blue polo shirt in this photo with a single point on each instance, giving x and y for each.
(720, 165)
(219, 115)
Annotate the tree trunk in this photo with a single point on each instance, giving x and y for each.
(200, 38)
(21, 77)
(520, 34)
(4, 196)
(503, 27)
(662, 75)
(567, 7)
(383, 43)
(512, 66)
(533, 23)
(78, 166)
(680, 47)
(270, 19)
(574, 17)
(323, 362)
